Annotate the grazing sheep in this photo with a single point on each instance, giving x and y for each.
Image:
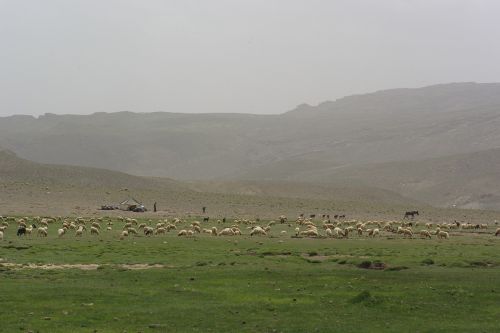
(425, 233)
(497, 232)
(42, 232)
(160, 231)
(142, 225)
(148, 231)
(309, 233)
(207, 231)
(442, 234)
(182, 233)
(79, 231)
(258, 231)
(283, 232)
(214, 231)
(109, 228)
(196, 228)
(127, 225)
(123, 234)
(226, 232)
(329, 232)
(297, 231)
(61, 232)
(94, 231)
(132, 231)
(374, 232)
(1, 235)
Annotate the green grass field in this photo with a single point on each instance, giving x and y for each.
(250, 284)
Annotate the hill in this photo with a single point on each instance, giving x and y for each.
(34, 188)
(385, 126)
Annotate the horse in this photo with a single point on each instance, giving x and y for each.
(411, 213)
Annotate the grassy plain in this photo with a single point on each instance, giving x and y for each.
(249, 284)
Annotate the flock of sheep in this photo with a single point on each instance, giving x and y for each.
(304, 227)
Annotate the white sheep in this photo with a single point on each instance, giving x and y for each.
(226, 232)
(442, 234)
(258, 231)
(94, 231)
(1, 235)
(374, 232)
(79, 231)
(497, 232)
(425, 233)
(309, 233)
(42, 232)
(61, 232)
(123, 234)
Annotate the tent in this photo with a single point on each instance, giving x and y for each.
(132, 205)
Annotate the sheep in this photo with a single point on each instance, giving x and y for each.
(226, 232)
(258, 231)
(196, 228)
(425, 233)
(160, 231)
(182, 233)
(207, 231)
(123, 234)
(497, 232)
(142, 225)
(96, 225)
(214, 231)
(61, 232)
(442, 234)
(94, 231)
(337, 232)
(148, 231)
(42, 232)
(170, 227)
(309, 233)
(297, 231)
(190, 233)
(79, 231)
(360, 232)
(374, 232)
(3, 228)
(1, 235)
(329, 232)
(283, 232)
(127, 225)
(132, 231)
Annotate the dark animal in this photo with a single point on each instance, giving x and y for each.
(224, 220)
(21, 231)
(411, 213)
(205, 219)
(312, 216)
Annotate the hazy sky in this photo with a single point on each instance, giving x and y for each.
(256, 56)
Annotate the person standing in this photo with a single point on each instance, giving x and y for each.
(154, 207)
(204, 209)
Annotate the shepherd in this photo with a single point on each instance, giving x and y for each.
(154, 207)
